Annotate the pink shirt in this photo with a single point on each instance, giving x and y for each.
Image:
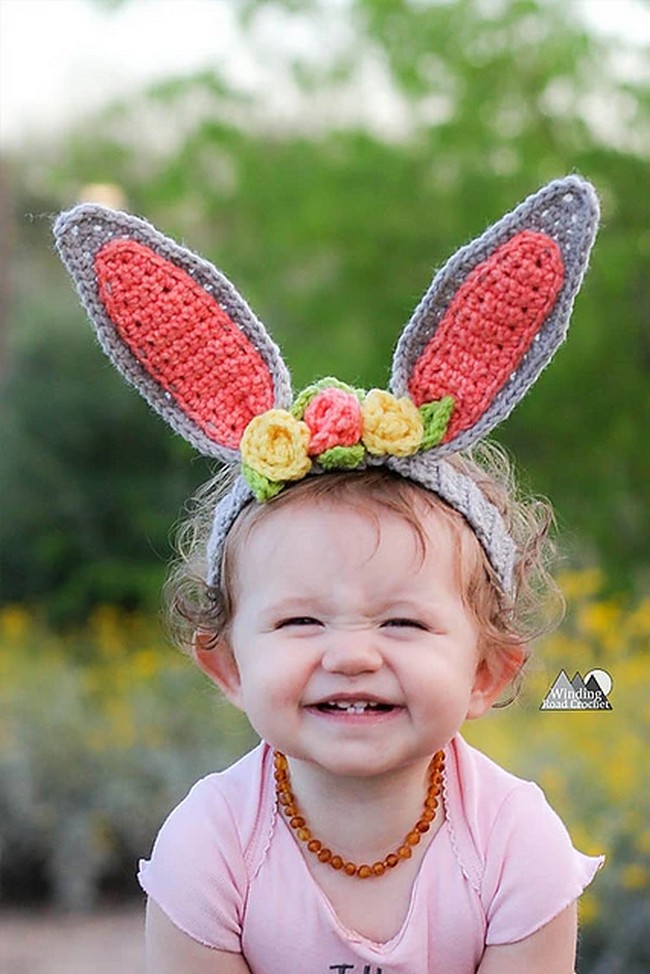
(226, 870)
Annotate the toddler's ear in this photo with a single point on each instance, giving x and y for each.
(215, 657)
(493, 675)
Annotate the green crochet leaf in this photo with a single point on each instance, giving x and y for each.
(435, 420)
(342, 457)
(263, 488)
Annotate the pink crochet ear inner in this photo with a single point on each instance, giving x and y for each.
(488, 327)
(184, 340)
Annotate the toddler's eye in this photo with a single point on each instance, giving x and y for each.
(405, 624)
(298, 621)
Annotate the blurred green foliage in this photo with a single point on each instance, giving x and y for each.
(332, 227)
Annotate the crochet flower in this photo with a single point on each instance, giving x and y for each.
(390, 425)
(334, 418)
(275, 445)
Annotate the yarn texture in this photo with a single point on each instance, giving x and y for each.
(490, 322)
(275, 445)
(505, 299)
(341, 428)
(334, 419)
(390, 425)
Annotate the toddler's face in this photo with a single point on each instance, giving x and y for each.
(350, 647)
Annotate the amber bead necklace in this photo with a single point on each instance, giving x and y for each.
(289, 806)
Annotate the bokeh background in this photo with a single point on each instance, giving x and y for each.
(327, 155)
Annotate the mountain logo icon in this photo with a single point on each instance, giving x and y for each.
(588, 693)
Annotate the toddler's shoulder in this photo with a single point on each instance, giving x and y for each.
(217, 823)
(227, 804)
(490, 811)
(478, 787)
(512, 846)
(232, 786)
(207, 850)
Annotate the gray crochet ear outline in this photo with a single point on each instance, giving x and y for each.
(80, 235)
(567, 212)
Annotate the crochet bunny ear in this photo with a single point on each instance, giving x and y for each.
(497, 311)
(174, 326)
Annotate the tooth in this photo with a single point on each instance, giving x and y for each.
(352, 706)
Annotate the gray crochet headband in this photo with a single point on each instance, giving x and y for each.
(491, 320)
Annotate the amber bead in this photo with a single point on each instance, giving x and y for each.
(314, 845)
(413, 838)
(391, 860)
(422, 826)
(350, 869)
(285, 797)
(325, 855)
(427, 815)
(280, 760)
(364, 872)
(378, 869)
(296, 822)
(405, 852)
(336, 862)
(304, 834)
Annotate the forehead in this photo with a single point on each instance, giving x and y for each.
(326, 536)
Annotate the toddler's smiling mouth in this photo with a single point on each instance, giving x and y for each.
(353, 707)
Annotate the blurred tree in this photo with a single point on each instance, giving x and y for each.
(404, 128)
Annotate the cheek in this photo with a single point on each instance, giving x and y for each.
(267, 674)
(444, 683)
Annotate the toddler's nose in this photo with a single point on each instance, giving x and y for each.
(351, 653)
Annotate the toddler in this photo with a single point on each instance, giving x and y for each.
(365, 584)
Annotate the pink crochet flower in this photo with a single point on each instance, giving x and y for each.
(334, 418)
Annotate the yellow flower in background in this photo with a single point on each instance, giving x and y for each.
(14, 623)
(390, 425)
(634, 876)
(600, 619)
(588, 908)
(637, 623)
(643, 842)
(275, 445)
(582, 584)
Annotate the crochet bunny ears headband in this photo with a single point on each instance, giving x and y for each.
(491, 320)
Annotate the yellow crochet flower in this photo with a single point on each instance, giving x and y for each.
(275, 445)
(390, 425)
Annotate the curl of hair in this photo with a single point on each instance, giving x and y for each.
(507, 624)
